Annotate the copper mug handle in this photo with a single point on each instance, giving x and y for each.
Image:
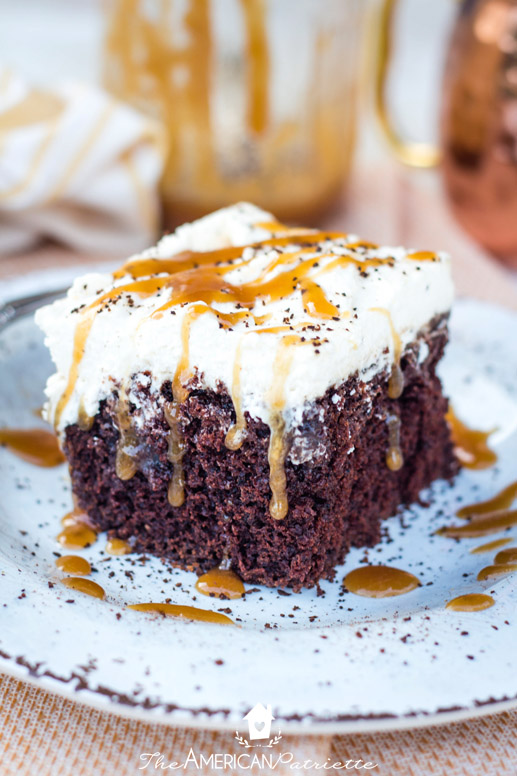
(414, 154)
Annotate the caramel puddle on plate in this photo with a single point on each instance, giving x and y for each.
(481, 526)
(82, 585)
(34, 445)
(76, 533)
(470, 445)
(183, 612)
(220, 582)
(502, 500)
(489, 546)
(76, 536)
(473, 602)
(380, 581)
(117, 547)
(497, 570)
(506, 556)
(73, 564)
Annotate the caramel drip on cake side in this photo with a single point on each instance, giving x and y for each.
(84, 421)
(237, 432)
(277, 442)
(81, 333)
(394, 457)
(172, 410)
(175, 453)
(396, 380)
(126, 463)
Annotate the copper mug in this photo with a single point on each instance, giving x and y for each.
(478, 153)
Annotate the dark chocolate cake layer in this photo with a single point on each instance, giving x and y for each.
(339, 486)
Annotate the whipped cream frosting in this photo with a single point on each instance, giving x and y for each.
(381, 308)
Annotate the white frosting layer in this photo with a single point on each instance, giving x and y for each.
(125, 339)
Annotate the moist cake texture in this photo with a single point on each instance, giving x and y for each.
(253, 395)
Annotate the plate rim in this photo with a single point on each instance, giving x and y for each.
(308, 724)
(203, 719)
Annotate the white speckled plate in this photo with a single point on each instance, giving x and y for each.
(335, 662)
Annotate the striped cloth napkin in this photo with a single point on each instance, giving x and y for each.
(78, 167)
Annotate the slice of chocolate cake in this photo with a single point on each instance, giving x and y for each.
(254, 395)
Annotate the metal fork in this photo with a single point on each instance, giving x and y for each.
(16, 308)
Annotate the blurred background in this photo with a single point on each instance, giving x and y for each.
(120, 119)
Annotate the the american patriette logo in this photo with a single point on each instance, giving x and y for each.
(259, 720)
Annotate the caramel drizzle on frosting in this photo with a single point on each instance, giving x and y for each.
(423, 256)
(199, 280)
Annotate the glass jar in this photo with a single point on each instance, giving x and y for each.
(259, 97)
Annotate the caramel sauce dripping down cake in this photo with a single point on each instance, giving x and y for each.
(220, 395)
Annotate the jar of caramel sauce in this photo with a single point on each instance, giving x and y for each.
(258, 97)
